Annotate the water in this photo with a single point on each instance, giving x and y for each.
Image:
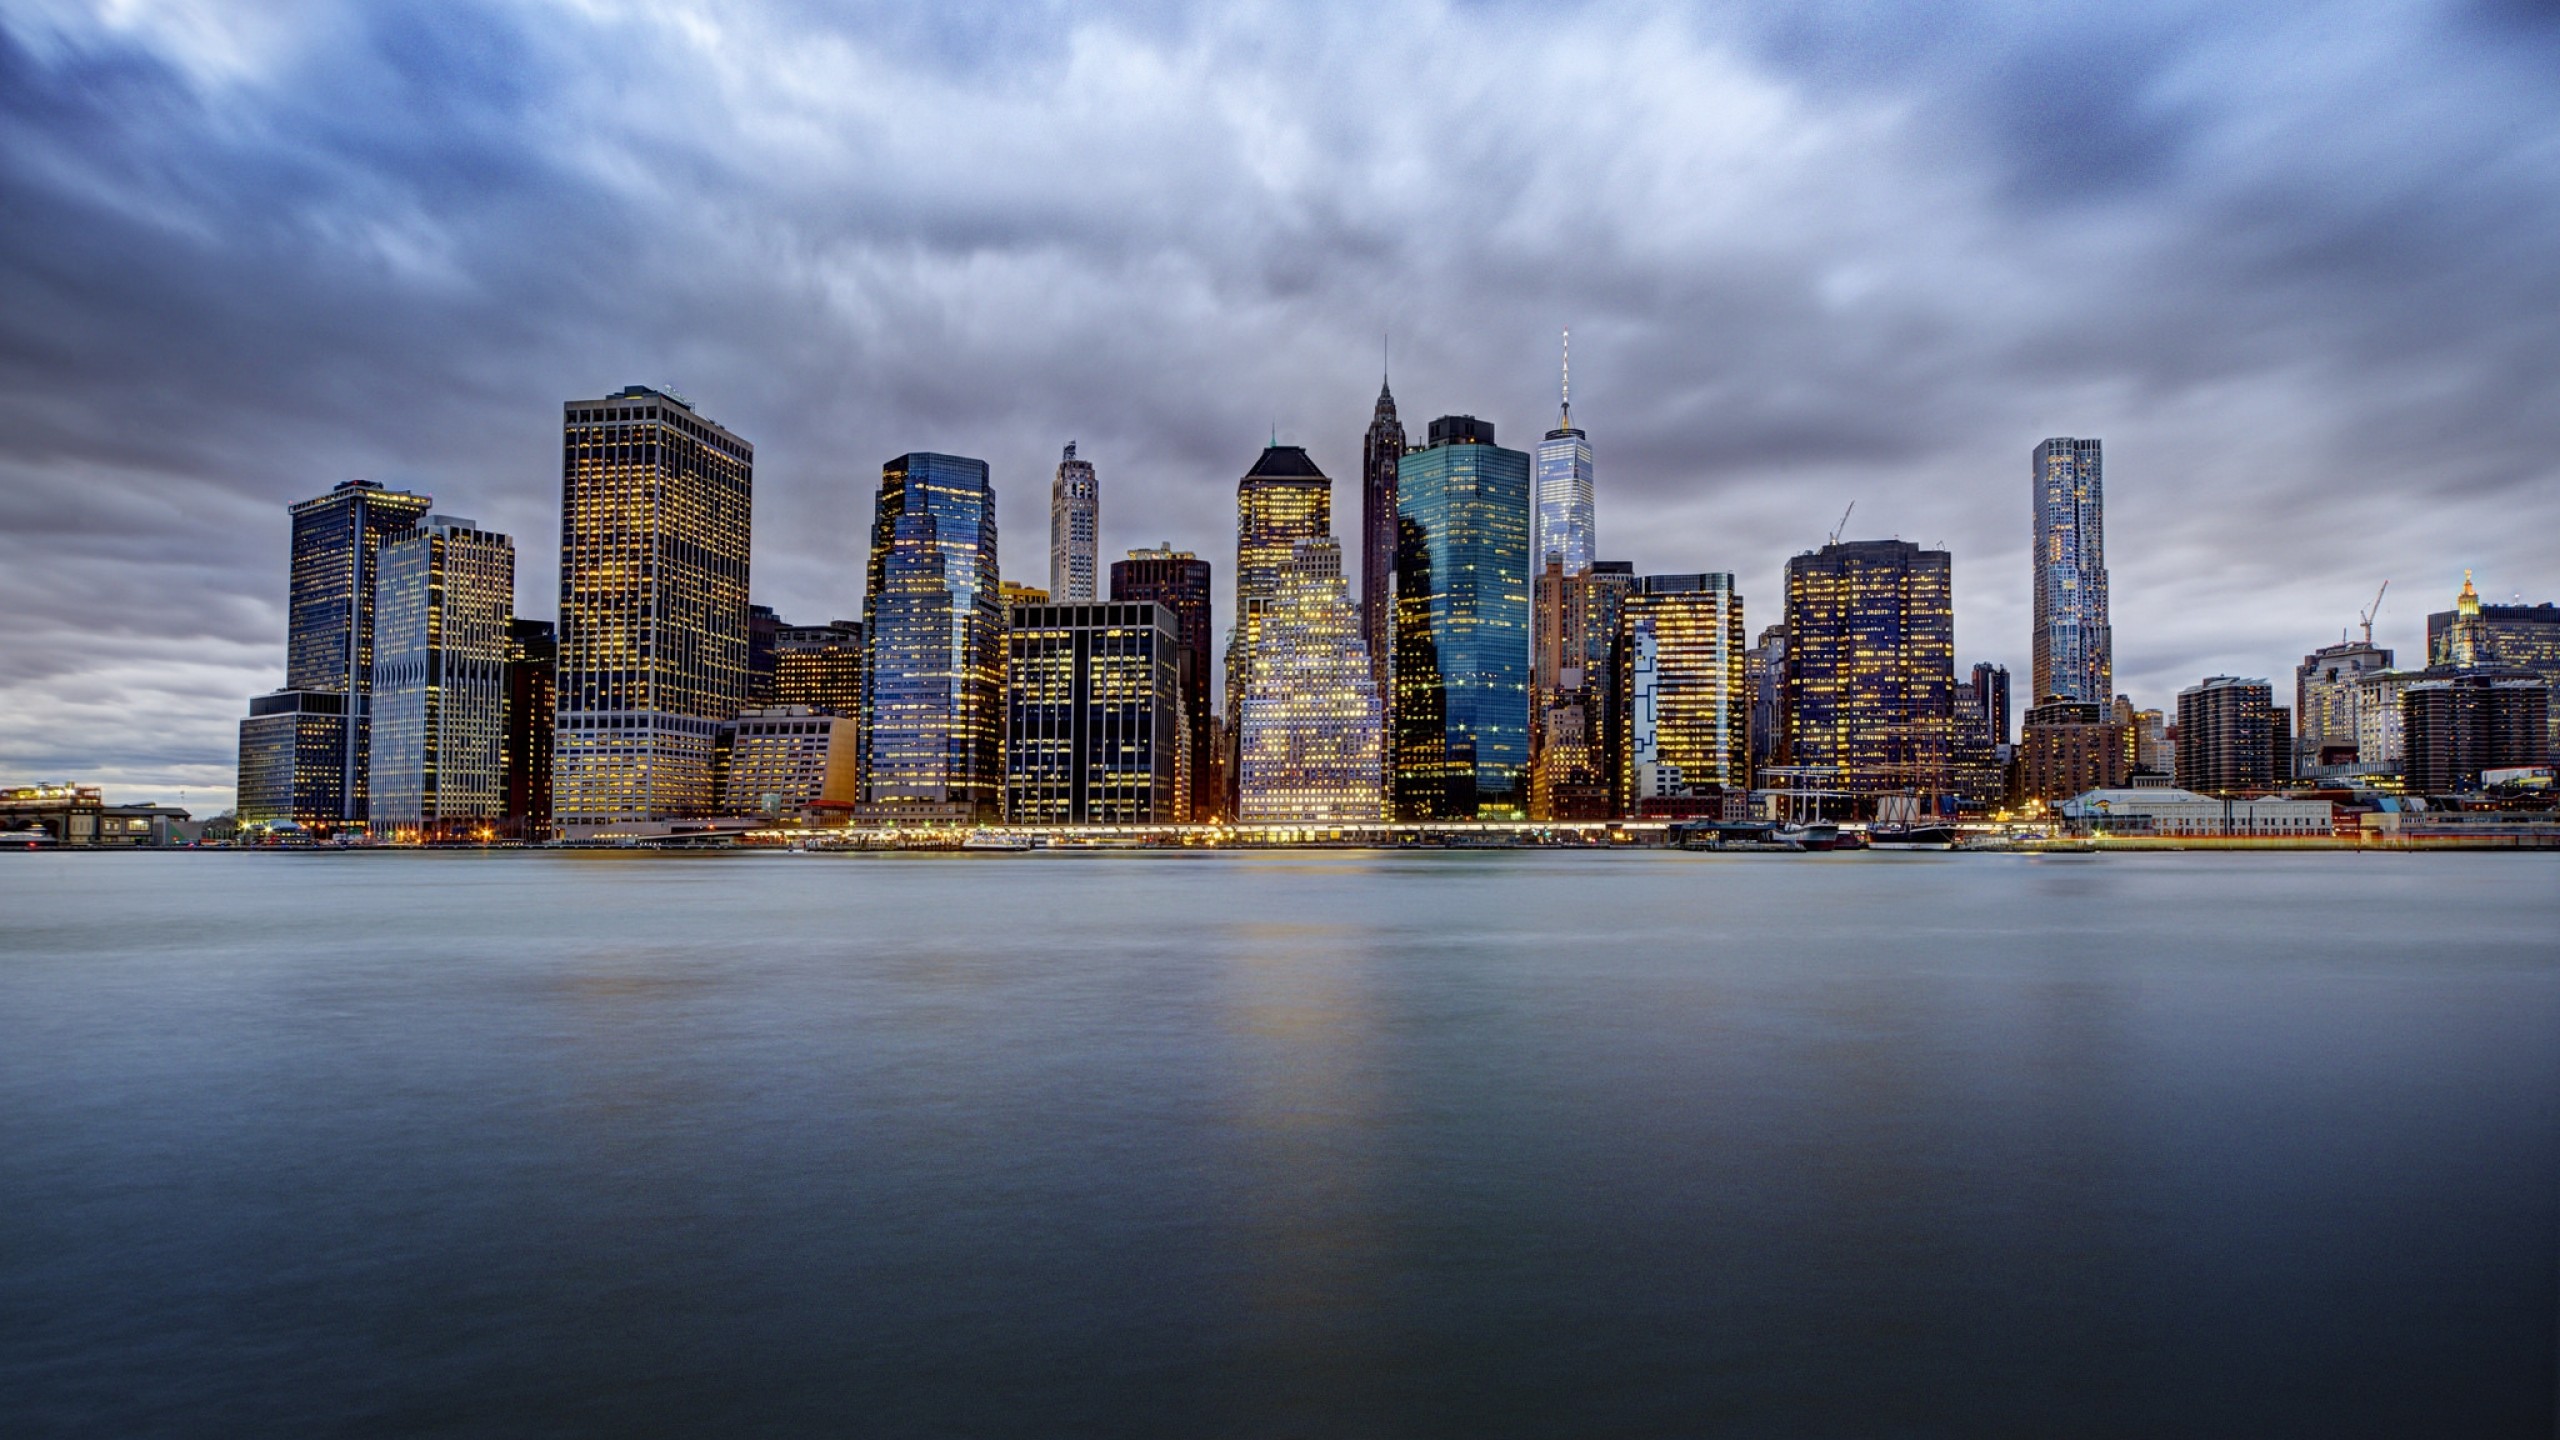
(1279, 1145)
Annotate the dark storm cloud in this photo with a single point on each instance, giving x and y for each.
(2293, 265)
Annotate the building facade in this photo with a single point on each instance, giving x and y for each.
(1282, 500)
(1310, 724)
(1182, 583)
(1991, 699)
(2070, 747)
(819, 667)
(2161, 810)
(2074, 646)
(1870, 672)
(1381, 451)
(337, 546)
(1687, 712)
(2463, 724)
(1095, 732)
(443, 609)
(2226, 736)
(781, 760)
(1075, 530)
(293, 760)
(2328, 692)
(656, 515)
(1567, 780)
(1461, 707)
(1563, 520)
(933, 626)
(2514, 637)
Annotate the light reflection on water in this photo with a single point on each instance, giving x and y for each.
(1479, 1143)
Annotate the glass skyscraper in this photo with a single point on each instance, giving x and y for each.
(446, 601)
(656, 510)
(1461, 712)
(1075, 527)
(1565, 514)
(2074, 647)
(1870, 666)
(933, 681)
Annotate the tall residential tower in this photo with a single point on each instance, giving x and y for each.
(2074, 648)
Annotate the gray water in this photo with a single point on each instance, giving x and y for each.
(1279, 1145)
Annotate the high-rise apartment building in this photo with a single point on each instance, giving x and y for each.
(1181, 582)
(1381, 451)
(533, 659)
(1991, 699)
(337, 543)
(2071, 747)
(2466, 723)
(2226, 736)
(1310, 725)
(1687, 711)
(1870, 672)
(2074, 647)
(1461, 711)
(1075, 529)
(933, 680)
(444, 604)
(1094, 727)
(656, 513)
(1563, 520)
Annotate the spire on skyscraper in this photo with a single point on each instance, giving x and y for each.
(1566, 423)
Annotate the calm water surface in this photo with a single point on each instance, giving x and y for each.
(1321, 1145)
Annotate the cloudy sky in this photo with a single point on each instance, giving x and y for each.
(2299, 267)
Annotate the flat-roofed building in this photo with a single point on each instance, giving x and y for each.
(785, 760)
(444, 604)
(1095, 730)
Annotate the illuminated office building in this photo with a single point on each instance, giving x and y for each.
(1282, 500)
(1563, 519)
(1604, 591)
(533, 658)
(1461, 711)
(819, 666)
(2074, 646)
(293, 760)
(1764, 672)
(656, 510)
(337, 543)
(1381, 451)
(1687, 715)
(1566, 778)
(778, 760)
(1075, 528)
(1094, 723)
(2226, 736)
(1871, 666)
(1181, 582)
(444, 600)
(1310, 724)
(2473, 635)
(933, 681)
(763, 625)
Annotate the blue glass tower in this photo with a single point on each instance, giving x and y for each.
(1565, 515)
(933, 680)
(1461, 738)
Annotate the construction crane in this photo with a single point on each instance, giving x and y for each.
(2366, 615)
(1843, 525)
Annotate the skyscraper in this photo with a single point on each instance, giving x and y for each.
(763, 625)
(1567, 779)
(2225, 735)
(1871, 665)
(1181, 582)
(337, 542)
(444, 606)
(1563, 526)
(1075, 525)
(933, 682)
(2517, 637)
(1094, 731)
(1309, 725)
(656, 512)
(533, 660)
(1282, 500)
(1687, 713)
(819, 667)
(1461, 712)
(1991, 699)
(1764, 669)
(2074, 648)
(1381, 450)
(2469, 722)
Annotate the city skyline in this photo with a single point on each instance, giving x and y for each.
(1926, 284)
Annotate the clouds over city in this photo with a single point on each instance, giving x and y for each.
(2294, 266)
